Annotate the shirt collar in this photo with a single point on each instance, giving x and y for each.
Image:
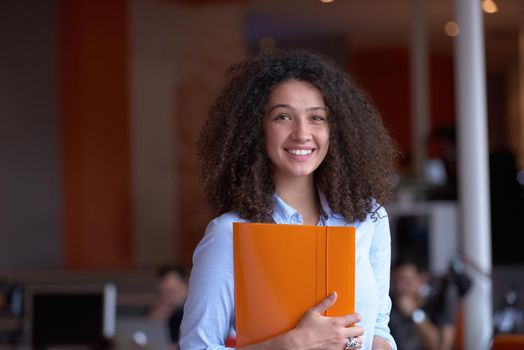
(285, 214)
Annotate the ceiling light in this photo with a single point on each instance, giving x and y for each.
(452, 29)
(326, 1)
(489, 6)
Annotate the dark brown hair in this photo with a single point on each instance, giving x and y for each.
(236, 170)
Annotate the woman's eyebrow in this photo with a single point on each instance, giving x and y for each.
(319, 108)
(280, 106)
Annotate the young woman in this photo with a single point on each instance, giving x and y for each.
(291, 139)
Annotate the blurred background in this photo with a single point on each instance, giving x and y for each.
(101, 103)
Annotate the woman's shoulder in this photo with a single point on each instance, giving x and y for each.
(217, 242)
(223, 224)
(227, 219)
(377, 215)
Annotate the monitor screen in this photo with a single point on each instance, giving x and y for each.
(70, 314)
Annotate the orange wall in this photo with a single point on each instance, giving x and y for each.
(384, 74)
(93, 70)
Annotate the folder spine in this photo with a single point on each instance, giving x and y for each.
(321, 277)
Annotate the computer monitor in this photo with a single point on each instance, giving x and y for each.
(69, 315)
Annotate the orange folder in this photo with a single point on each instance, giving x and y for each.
(283, 270)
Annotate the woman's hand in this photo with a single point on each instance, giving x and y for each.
(315, 331)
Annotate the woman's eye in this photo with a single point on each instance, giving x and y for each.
(282, 117)
(318, 118)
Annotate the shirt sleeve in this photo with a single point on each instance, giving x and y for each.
(209, 308)
(380, 258)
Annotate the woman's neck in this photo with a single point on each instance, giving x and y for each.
(301, 194)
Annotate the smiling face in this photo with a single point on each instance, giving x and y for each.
(296, 130)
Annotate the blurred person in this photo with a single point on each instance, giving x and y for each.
(171, 296)
(422, 317)
(441, 166)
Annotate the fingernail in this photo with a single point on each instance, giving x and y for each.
(359, 318)
(332, 295)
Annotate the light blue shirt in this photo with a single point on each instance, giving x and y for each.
(210, 308)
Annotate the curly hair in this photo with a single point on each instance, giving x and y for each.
(236, 170)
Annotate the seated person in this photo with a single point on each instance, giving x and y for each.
(421, 318)
(169, 304)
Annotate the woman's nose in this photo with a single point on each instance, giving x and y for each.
(301, 130)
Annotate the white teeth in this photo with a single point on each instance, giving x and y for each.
(300, 152)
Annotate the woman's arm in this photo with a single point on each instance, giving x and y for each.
(380, 344)
(209, 308)
(380, 258)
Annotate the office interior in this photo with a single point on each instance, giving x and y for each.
(101, 104)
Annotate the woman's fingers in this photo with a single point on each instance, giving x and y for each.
(327, 332)
(329, 301)
(325, 304)
(349, 320)
(354, 331)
